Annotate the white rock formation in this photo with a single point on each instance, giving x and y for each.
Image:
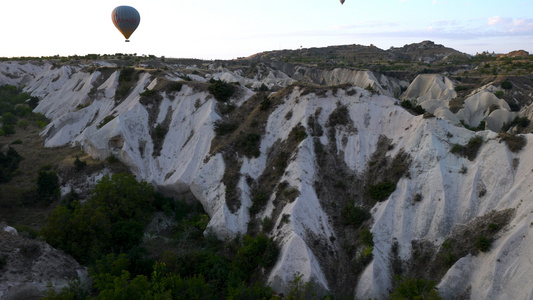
(449, 185)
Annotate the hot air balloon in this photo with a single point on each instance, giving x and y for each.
(126, 19)
(342, 1)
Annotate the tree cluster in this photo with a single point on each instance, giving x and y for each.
(106, 233)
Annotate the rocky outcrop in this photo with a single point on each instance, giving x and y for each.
(28, 266)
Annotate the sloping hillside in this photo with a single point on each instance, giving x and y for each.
(355, 188)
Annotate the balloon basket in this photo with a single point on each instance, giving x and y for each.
(127, 41)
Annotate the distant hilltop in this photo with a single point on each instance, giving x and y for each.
(517, 53)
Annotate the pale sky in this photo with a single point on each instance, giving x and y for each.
(218, 29)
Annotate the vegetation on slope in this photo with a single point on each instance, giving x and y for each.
(106, 233)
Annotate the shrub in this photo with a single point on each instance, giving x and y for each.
(33, 102)
(122, 91)
(148, 93)
(480, 126)
(8, 130)
(340, 116)
(469, 150)
(223, 128)
(514, 143)
(507, 85)
(370, 88)
(249, 144)
(298, 289)
(160, 132)
(106, 120)
(354, 215)
(520, 122)
(459, 88)
(447, 258)
(483, 244)
(267, 224)
(419, 110)
(381, 191)
(499, 94)
(9, 163)
(214, 268)
(259, 251)
(463, 170)
(456, 148)
(9, 118)
(23, 124)
(263, 88)
(221, 90)
(265, 104)
(174, 87)
(299, 133)
(406, 104)
(41, 124)
(412, 288)
(27, 231)
(47, 185)
(78, 164)
(111, 159)
(259, 200)
(227, 108)
(417, 198)
(367, 238)
(116, 283)
(493, 227)
(255, 291)
(126, 74)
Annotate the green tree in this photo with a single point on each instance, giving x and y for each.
(9, 118)
(111, 220)
(47, 185)
(161, 284)
(354, 215)
(33, 102)
(221, 90)
(79, 164)
(8, 129)
(9, 162)
(255, 252)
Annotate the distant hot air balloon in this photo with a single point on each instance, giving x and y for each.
(342, 1)
(126, 19)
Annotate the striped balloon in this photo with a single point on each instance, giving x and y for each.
(126, 19)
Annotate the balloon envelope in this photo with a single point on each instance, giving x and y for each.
(342, 1)
(126, 19)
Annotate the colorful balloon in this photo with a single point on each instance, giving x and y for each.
(126, 19)
(342, 1)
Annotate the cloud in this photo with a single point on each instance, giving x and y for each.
(497, 21)
(509, 25)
